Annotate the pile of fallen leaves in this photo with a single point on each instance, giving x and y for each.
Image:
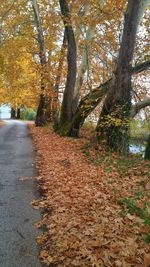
(84, 195)
(2, 123)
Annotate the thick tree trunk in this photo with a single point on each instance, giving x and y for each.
(67, 104)
(113, 124)
(147, 150)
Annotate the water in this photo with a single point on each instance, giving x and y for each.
(137, 147)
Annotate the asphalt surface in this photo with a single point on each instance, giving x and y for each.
(17, 189)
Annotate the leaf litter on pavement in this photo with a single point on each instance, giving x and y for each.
(96, 206)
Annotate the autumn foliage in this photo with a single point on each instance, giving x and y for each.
(85, 199)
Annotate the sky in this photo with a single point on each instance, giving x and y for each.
(5, 112)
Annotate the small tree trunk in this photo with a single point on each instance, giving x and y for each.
(13, 113)
(18, 113)
(40, 117)
(61, 61)
(147, 150)
(52, 110)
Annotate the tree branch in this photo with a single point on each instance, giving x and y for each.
(8, 10)
(138, 106)
(141, 67)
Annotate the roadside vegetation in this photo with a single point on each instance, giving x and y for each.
(28, 114)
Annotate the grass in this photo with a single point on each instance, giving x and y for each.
(125, 167)
(123, 164)
(130, 206)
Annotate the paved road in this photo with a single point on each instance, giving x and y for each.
(17, 235)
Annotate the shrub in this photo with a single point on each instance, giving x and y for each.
(28, 114)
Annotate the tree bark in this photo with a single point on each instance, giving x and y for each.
(18, 113)
(40, 117)
(147, 150)
(61, 61)
(51, 112)
(67, 103)
(86, 105)
(113, 124)
(13, 113)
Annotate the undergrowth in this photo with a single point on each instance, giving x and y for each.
(125, 167)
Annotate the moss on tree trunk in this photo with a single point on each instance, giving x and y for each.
(113, 126)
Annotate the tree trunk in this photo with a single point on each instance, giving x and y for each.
(40, 117)
(61, 61)
(13, 113)
(51, 113)
(83, 66)
(86, 106)
(147, 150)
(67, 103)
(113, 124)
(18, 113)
